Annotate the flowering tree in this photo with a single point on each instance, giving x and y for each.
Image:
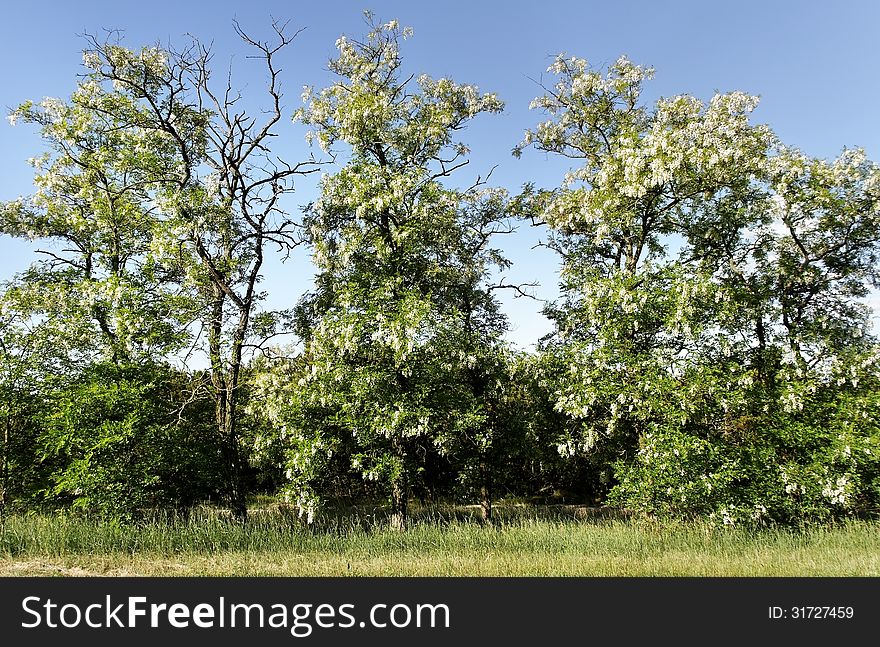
(171, 190)
(678, 361)
(790, 383)
(97, 297)
(401, 309)
(631, 312)
(100, 296)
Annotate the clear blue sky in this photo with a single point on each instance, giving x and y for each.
(815, 65)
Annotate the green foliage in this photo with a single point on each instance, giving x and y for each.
(118, 440)
(813, 464)
(21, 476)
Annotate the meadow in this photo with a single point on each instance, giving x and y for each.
(441, 541)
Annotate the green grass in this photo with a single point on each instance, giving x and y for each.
(442, 541)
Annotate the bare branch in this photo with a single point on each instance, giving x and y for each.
(519, 289)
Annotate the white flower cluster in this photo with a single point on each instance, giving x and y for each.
(630, 154)
(837, 491)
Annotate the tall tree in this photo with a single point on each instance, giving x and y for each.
(713, 370)
(223, 203)
(97, 295)
(188, 163)
(401, 306)
(630, 311)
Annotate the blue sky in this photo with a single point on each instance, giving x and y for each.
(814, 64)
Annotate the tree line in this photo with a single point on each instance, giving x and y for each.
(712, 354)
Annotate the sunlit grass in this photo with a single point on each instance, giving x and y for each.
(441, 542)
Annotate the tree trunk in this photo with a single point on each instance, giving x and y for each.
(5, 466)
(485, 491)
(399, 512)
(225, 385)
(400, 490)
(235, 491)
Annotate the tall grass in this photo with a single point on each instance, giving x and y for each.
(441, 541)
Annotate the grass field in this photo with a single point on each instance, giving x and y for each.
(524, 541)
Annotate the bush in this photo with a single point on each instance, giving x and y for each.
(815, 460)
(121, 441)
